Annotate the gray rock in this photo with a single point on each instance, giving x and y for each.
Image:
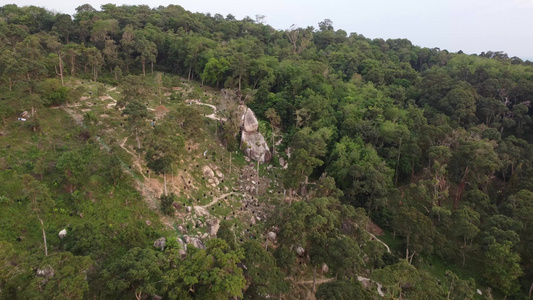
(300, 251)
(197, 243)
(252, 142)
(250, 121)
(182, 244)
(160, 243)
(214, 225)
(272, 236)
(62, 233)
(325, 268)
(47, 272)
(208, 172)
(182, 229)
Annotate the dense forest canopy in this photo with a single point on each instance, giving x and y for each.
(434, 147)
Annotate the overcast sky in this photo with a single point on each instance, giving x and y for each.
(469, 25)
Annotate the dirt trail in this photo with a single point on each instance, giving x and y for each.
(318, 281)
(210, 116)
(217, 199)
(372, 236)
(201, 210)
(379, 288)
(136, 161)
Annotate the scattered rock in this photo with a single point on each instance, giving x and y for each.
(272, 236)
(252, 220)
(148, 223)
(160, 243)
(47, 272)
(300, 251)
(325, 268)
(62, 233)
(188, 209)
(182, 230)
(478, 291)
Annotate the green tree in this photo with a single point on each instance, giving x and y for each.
(136, 113)
(139, 270)
(69, 279)
(502, 267)
(343, 289)
(73, 169)
(417, 230)
(465, 226)
(264, 276)
(207, 274)
(214, 70)
(163, 147)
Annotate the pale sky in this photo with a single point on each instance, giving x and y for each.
(469, 25)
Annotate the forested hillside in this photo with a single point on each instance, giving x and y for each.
(397, 171)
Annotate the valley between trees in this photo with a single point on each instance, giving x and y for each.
(392, 171)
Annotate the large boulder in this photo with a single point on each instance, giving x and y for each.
(250, 121)
(272, 236)
(254, 146)
(197, 243)
(208, 172)
(253, 143)
(214, 225)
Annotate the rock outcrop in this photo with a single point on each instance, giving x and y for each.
(252, 142)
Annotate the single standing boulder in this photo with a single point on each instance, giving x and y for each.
(62, 233)
(253, 143)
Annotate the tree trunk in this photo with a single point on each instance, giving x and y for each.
(10, 85)
(314, 279)
(239, 84)
(172, 174)
(143, 63)
(290, 196)
(229, 162)
(190, 71)
(397, 164)
(152, 67)
(460, 189)
(407, 249)
(137, 138)
(60, 69)
(273, 145)
(44, 237)
(72, 65)
(257, 177)
(530, 290)
(165, 180)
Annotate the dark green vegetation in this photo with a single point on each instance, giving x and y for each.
(434, 147)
